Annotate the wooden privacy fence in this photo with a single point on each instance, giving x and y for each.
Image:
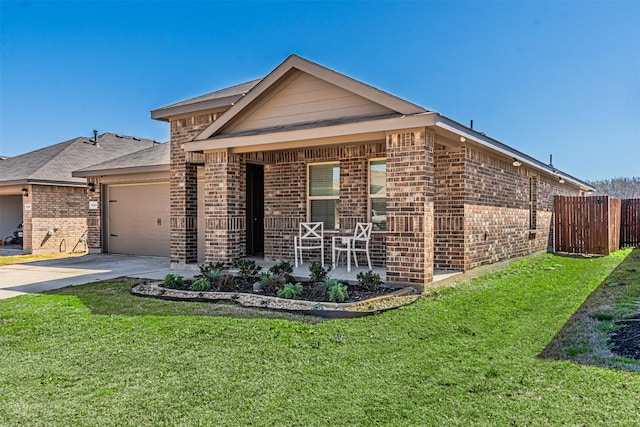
(630, 223)
(587, 225)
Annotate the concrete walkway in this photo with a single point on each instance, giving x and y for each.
(39, 276)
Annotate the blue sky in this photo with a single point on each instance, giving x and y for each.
(543, 77)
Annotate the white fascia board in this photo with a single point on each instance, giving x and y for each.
(383, 125)
(485, 141)
(120, 171)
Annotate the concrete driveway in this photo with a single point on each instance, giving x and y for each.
(39, 276)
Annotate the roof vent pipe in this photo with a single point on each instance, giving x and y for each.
(95, 135)
(551, 160)
(471, 125)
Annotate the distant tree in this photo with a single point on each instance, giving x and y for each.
(621, 188)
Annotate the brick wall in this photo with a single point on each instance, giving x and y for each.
(410, 193)
(94, 217)
(59, 209)
(285, 176)
(224, 206)
(449, 208)
(497, 209)
(184, 187)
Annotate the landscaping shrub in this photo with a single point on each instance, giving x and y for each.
(271, 282)
(227, 283)
(337, 291)
(284, 270)
(201, 284)
(369, 281)
(247, 269)
(290, 291)
(173, 281)
(317, 271)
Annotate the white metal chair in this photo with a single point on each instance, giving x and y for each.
(358, 243)
(310, 236)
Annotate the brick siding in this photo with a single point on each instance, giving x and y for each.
(496, 209)
(61, 210)
(410, 194)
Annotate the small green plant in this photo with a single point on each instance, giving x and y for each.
(201, 284)
(247, 268)
(369, 281)
(227, 283)
(337, 291)
(284, 270)
(173, 281)
(317, 271)
(270, 281)
(290, 291)
(209, 267)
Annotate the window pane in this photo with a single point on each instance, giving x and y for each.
(378, 177)
(325, 211)
(324, 180)
(379, 214)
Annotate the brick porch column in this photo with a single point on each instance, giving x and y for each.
(184, 207)
(410, 192)
(94, 217)
(225, 206)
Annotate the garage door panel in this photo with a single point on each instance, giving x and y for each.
(138, 219)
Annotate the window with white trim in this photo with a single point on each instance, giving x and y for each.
(323, 190)
(378, 193)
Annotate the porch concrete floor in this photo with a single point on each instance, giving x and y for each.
(341, 273)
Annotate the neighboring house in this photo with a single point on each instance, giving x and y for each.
(248, 163)
(37, 189)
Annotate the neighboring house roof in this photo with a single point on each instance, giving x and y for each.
(152, 159)
(54, 164)
(220, 98)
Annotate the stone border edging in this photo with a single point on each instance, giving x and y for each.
(366, 307)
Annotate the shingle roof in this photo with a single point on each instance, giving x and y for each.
(54, 164)
(154, 158)
(220, 98)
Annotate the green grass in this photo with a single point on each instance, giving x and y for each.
(21, 259)
(464, 355)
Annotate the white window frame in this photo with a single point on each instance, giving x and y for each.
(375, 196)
(310, 197)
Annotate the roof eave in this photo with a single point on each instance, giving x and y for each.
(300, 138)
(120, 171)
(494, 145)
(42, 182)
(167, 112)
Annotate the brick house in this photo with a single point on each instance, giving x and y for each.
(38, 190)
(248, 163)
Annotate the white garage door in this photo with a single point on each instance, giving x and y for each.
(138, 219)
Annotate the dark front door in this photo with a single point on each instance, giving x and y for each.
(255, 209)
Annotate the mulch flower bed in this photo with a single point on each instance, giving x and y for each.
(326, 298)
(626, 340)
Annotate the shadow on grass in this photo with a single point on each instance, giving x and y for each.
(584, 338)
(113, 297)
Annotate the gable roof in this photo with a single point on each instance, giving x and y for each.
(243, 96)
(152, 159)
(220, 98)
(54, 164)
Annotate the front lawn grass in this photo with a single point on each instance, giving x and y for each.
(465, 355)
(21, 259)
